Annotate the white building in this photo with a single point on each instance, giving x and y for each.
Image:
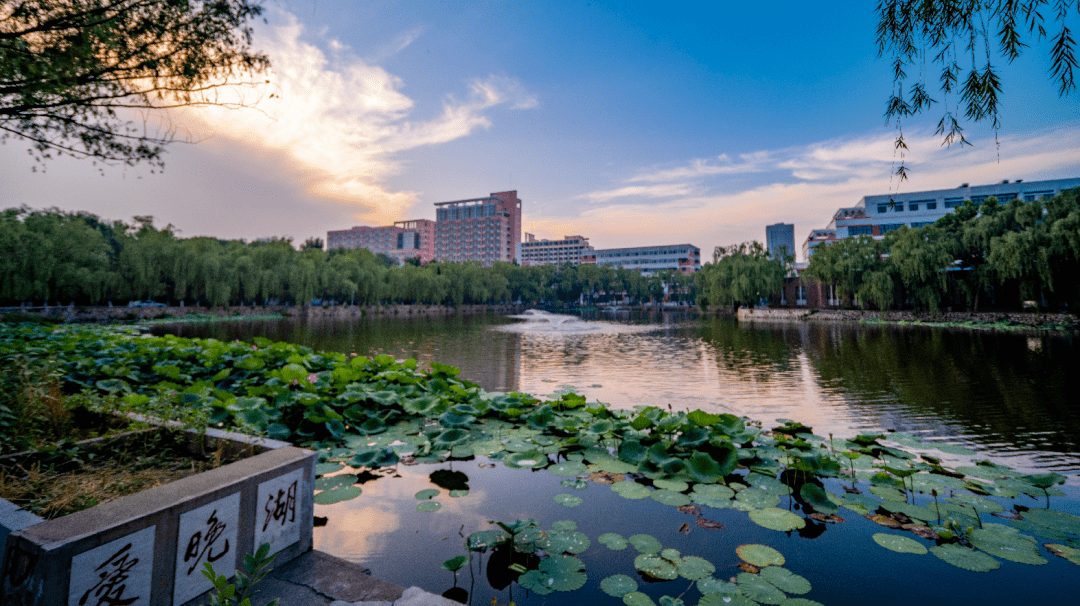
(877, 215)
(552, 252)
(685, 258)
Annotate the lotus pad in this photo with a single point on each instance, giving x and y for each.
(615, 466)
(963, 557)
(325, 468)
(768, 483)
(899, 543)
(556, 573)
(1007, 546)
(337, 494)
(980, 504)
(670, 497)
(760, 555)
(575, 483)
(487, 448)
(636, 598)
(1071, 554)
(618, 585)
(645, 543)
(916, 512)
(655, 566)
(707, 586)
(482, 540)
(568, 500)
(800, 602)
(568, 468)
(695, 568)
(332, 482)
(630, 490)
(429, 506)
(758, 499)
(426, 494)
(723, 599)
(530, 459)
(1057, 520)
(777, 519)
(785, 580)
(612, 541)
(668, 484)
(566, 541)
(759, 590)
(889, 494)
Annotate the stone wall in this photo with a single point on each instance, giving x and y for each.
(854, 315)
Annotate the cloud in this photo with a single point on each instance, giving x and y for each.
(339, 122)
(802, 185)
(400, 43)
(700, 168)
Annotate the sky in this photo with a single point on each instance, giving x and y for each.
(629, 123)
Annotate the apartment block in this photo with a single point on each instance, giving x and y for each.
(480, 229)
(780, 239)
(685, 258)
(879, 214)
(400, 241)
(552, 252)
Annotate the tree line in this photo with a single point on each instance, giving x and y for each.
(59, 257)
(984, 254)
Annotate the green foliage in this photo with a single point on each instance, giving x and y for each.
(256, 567)
(69, 67)
(741, 275)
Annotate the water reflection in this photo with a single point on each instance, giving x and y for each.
(1005, 394)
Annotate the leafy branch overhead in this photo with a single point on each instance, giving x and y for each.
(961, 38)
(76, 74)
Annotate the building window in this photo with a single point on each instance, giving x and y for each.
(899, 207)
(931, 206)
(953, 202)
(887, 227)
(913, 206)
(883, 208)
(860, 230)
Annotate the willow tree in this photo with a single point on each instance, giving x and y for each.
(743, 274)
(962, 39)
(75, 73)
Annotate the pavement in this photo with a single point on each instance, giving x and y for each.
(320, 579)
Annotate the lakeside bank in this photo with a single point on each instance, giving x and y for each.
(993, 320)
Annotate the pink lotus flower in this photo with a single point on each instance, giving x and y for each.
(312, 378)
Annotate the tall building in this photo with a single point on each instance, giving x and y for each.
(877, 215)
(685, 258)
(780, 240)
(481, 229)
(400, 241)
(552, 252)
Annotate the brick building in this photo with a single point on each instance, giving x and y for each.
(400, 241)
(479, 229)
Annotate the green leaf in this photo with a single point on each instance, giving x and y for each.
(694, 568)
(815, 496)
(758, 589)
(337, 495)
(428, 506)
(568, 500)
(963, 557)
(785, 580)
(455, 563)
(899, 544)
(645, 543)
(655, 566)
(612, 541)
(630, 490)
(618, 585)
(777, 519)
(1007, 546)
(760, 555)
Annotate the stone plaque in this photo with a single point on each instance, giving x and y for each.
(115, 573)
(207, 534)
(277, 520)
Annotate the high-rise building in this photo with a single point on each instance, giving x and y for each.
(400, 241)
(780, 240)
(879, 214)
(685, 258)
(552, 252)
(480, 229)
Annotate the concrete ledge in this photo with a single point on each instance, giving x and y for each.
(152, 545)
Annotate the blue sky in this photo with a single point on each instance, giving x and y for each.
(631, 123)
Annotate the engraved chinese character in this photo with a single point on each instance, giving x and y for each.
(196, 548)
(281, 507)
(113, 574)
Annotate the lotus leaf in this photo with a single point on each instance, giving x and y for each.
(715, 491)
(612, 541)
(630, 490)
(325, 468)
(636, 598)
(565, 541)
(676, 485)
(655, 566)
(337, 494)
(532, 459)
(482, 540)
(978, 503)
(670, 497)
(899, 544)
(615, 466)
(645, 543)
(737, 486)
(1071, 554)
(988, 473)
(568, 500)
(742, 506)
(816, 497)
(758, 589)
(785, 580)
(458, 493)
(716, 586)
(486, 448)
(963, 557)
(768, 484)
(695, 568)
(723, 599)
(709, 501)
(916, 512)
(455, 563)
(519, 445)
(758, 499)
(666, 600)
(618, 585)
(428, 506)
(449, 439)
(887, 493)
(426, 494)
(858, 508)
(1007, 545)
(777, 519)
(568, 468)
(332, 482)
(760, 555)
(555, 573)
(1057, 520)
(562, 525)
(800, 602)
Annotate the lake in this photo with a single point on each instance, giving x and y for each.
(1004, 396)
